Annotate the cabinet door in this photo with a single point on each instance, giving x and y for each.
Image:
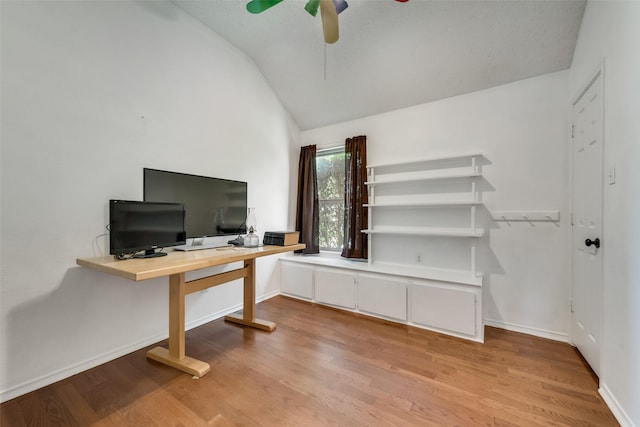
(383, 296)
(445, 307)
(296, 280)
(335, 287)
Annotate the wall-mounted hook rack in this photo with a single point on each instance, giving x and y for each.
(527, 216)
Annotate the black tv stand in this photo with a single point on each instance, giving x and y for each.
(150, 253)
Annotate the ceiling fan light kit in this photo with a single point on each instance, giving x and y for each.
(329, 10)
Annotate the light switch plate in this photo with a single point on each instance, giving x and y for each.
(612, 175)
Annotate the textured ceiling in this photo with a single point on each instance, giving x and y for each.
(392, 55)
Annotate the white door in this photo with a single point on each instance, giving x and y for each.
(587, 222)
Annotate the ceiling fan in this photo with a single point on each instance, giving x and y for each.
(329, 10)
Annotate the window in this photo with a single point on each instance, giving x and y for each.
(330, 173)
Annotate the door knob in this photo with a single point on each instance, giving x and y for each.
(595, 242)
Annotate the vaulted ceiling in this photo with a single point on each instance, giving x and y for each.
(392, 55)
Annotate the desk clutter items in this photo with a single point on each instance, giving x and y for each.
(238, 241)
(251, 240)
(281, 238)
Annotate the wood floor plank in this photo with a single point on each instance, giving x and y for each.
(78, 406)
(324, 367)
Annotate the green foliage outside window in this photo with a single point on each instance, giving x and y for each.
(330, 172)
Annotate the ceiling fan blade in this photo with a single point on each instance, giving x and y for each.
(329, 21)
(312, 7)
(340, 5)
(258, 6)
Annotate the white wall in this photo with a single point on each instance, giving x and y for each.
(93, 92)
(522, 130)
(610, 35)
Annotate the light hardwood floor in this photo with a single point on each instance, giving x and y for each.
(324, 367)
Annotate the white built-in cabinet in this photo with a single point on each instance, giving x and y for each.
(384, 296)
(423, 235)
(297, 280)
(335, 287)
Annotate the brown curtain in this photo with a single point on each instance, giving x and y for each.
(355, 197)
(307, 210)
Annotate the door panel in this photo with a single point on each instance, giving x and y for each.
(587, 152)
(335, 287)
(383, 296)
(296, 280)
(444, 307)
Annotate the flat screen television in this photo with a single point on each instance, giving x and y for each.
(213, 206)
(139, 229)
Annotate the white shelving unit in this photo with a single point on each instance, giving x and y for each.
(423, 234)
(449, 183)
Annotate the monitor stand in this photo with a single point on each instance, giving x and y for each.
(150, 253)
(197, 241)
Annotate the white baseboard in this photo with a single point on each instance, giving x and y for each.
(542, 333)
(45, 380)
(612, 403)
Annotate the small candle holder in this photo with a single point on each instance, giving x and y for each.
(252, 240)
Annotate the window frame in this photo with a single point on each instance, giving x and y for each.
(319, 154)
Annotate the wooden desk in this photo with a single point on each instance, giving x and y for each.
(175, 265)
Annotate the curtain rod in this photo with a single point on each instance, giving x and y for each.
(325, 148)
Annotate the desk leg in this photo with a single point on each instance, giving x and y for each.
(248, 316)
(175, 355)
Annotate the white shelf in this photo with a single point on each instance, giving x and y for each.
(427, 231)
(429, 160)
(434, 204)
(417, 178)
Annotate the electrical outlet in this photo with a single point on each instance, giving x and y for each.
(418, 258)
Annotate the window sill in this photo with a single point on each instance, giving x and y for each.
(328, 259)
